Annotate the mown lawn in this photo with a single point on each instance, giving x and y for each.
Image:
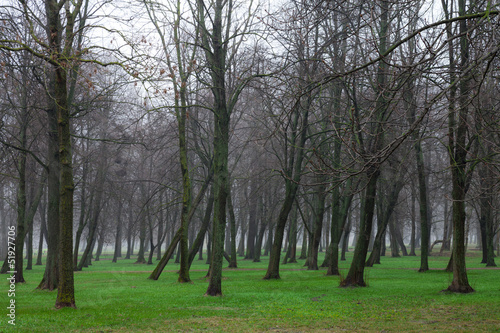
(119, 298)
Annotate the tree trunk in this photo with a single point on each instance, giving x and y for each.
(100, 245)
(394, 242)
(412, 236)
(221, 151)
(186, 186)
(384, 217)
(294, 172)
(96, 210)
(66, 288)
(424, 210)
(130, 246)
(166, 257)
(118, 238)
(241, 245)
(274, 259)
(178, 254)
(340, 211)
(399, 238)
(319, 212)
(81, 222)
(446, 230)
(458, 160)
(209, 250)
(29, 248)
(198, 242)
(355, 275)
(303, 250)
(160, 237)
(50, 278)
(232, 222)
(21, 193)
(345, 240)
(486, 203)
(252, 224)
(43, 232)
(3, 227)
(290, 256)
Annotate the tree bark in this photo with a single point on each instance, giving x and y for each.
(458, 158)
(118, 238)
(43, 233)
(294, 172)
(232, 222)
(198, 242)
(355, 275)
(96, 210)
(50, 278)
(319, 212)
(262, 231)
(384, 218)
(356, 271)
(252, 224)
(21, 193)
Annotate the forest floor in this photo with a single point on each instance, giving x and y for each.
(118, 297)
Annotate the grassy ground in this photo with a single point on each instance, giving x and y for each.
(119, 298)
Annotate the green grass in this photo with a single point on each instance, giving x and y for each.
(119, 298)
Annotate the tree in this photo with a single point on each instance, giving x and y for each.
(61, 51)
(410, 102)
(458, 150)
(304, 46)
(370, 149)
(216, 39)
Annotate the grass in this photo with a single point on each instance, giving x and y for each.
(119, 298)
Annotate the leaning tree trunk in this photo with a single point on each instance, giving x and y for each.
(166, 257)
(177, 236)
